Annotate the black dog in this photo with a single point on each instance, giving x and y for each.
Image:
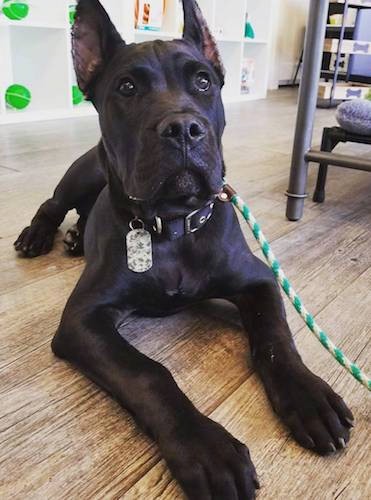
(159, 166)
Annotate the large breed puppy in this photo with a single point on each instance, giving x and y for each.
(157, 239)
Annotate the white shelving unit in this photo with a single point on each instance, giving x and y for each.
(35, 52)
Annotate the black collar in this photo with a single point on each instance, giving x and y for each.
(177, 228)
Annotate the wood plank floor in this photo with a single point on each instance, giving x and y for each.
(63, 438)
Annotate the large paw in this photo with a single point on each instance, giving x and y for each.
(317, 417)
(209, 463)
(36, 239)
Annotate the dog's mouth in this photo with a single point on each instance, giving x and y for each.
(179, 194)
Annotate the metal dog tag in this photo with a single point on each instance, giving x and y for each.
(139, 248)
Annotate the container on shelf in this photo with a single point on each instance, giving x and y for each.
(343, 62)
(247, 75)
(149, 14)
(356, 3)
(258, 57)
(343, 91)
(348, 46)
(249, 30)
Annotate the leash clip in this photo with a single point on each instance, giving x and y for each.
(227, 193)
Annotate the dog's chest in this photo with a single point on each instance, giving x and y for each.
(177, 282)
(181, 275)
(171, 287)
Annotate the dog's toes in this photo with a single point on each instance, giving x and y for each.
(47, 245)
(325, 436)
(35, 240)
(340, 408)
(318, 418)
(22, 238)
(209, 463)
(73, 241)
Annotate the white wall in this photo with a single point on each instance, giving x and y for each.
(290, 18)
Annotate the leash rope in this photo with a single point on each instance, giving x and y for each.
(294, 298)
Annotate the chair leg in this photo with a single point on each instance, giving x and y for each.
(320, 192)
(328, 144)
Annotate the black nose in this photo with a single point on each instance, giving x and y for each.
(182, 129)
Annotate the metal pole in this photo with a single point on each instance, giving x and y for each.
(313, 51)
(339, 52)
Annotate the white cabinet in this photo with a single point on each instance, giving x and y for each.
(35, 51)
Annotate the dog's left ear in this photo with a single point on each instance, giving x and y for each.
(94, 40)
(197, 32)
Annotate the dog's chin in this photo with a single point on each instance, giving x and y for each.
(181, 194)
(178, 207)
(184, 185)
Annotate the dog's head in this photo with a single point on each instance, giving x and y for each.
(159, 106)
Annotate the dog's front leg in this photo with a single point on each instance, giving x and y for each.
(317, 417)
(75, 190)
(206, 460)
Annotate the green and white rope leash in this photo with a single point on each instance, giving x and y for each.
(290, 292)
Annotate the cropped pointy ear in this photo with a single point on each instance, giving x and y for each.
(198, 33)
(94, 40)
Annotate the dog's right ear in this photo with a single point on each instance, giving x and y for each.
(198, 33)
(94, 40)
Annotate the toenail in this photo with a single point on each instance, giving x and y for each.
(342, 442)
(332, 446)
(350, 422)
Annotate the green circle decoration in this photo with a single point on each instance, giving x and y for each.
(72, 13)
(15, 10)
(77, 95)
(17, 96)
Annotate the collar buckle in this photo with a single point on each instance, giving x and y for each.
(201, 222)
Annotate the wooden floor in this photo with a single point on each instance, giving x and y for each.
(61, 437)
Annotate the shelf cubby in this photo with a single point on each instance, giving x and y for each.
(346, 53)
(260, 18)
(35, 52)
(42, 15)
(258, 53)
(208, 8)
(5, 66)
(231, 56)
(38, 65)
(230, 22)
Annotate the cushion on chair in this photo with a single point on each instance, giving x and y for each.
(355, 116)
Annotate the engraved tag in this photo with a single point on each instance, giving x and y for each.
(139, 250)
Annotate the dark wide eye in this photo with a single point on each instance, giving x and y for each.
(202, 81)
(127, 87)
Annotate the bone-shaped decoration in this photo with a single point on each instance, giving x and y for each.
(354, 93)
(361, 47)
